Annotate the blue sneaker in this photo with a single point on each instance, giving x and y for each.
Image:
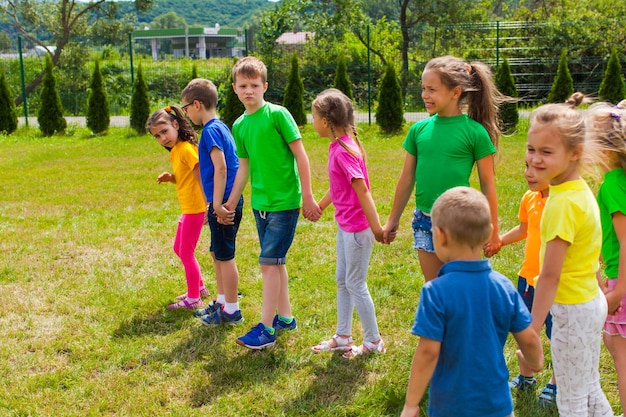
(257, 338)
(280, 325)
(221, 317)
(210, 308)
(520, 383)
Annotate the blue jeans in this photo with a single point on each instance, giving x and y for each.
(422, 231)
(223, 235)
(276, 230)
(528, 295)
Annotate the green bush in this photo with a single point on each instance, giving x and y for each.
(139, 104)
(294, 93)
(342, 81)
(563, 85)
(8, 117)
(612, 87)
(50, 115)
(229, 106)
(194, 71)
(98, 119)
(390, 111)
(505, 83)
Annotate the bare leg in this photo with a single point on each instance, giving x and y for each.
(275, 293)
(429, 263)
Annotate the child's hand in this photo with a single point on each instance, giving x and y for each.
(408, 411)
(311, 210)
(389, 233)
(523, 362)
(493, 246)
(614, 301)
(227, 217)
(165, 177)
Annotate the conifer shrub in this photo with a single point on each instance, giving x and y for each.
(8, 115)
(505, 83)
(342, 81)
(563, 85)
(98, 119)
(50, 115)
(139, 104)
(229, 107)
(194, 72)
(293, 99)
(612, 87)
(390, 110)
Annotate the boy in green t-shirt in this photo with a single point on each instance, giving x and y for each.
(270, 151)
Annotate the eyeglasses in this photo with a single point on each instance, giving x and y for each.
(184, 107)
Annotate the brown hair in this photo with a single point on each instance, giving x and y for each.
(464, 214)
(186, 133)
(250, 67)
(334, 106)
(202, 90)
(479, 91)
(606, 127)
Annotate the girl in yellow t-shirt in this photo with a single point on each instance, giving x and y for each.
(170, 128)
(571, 239)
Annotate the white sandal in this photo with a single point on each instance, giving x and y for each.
(365, 349)
(334, 343)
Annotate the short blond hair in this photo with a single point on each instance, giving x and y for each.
(250, 67)
(464, 214)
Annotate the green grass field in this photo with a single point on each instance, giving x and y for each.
(87, 269)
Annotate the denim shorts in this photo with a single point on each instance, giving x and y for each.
(422, 231)
(528, 295)
(223, 235)
(276, 230)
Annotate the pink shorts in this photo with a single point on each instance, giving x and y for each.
(615, 324)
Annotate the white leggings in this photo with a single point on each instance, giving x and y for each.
(575, 346)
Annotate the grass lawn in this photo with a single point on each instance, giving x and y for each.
(87, 269)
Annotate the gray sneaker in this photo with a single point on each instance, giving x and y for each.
(212, 307)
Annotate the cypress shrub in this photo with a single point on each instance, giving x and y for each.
(50, 115)
(194, 72)
(390, 110)
(230, 108)
(294, 93)
(563, 85)
(139, 104)
(505, 83)
(8, 117)
(612, 87)
(98, 104)
(342, 82)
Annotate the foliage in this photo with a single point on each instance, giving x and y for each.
(294, 93)
(194, 72)
(612, 87)
(139, 104)
(390, 111)
(98, 104)
(50, 116)
(342, 81)
(563, 85)
(505, 83)
(168, 20)
(229, 106)
(8, 116)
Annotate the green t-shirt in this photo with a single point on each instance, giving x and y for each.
(263, 138)
(446, 149)
(611, 199)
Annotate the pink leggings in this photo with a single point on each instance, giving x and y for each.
(187, 235)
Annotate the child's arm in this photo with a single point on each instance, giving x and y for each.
(422, 368)
(486, 176)
(548, 281)
(515, 234)
(198, 177)
(309, 206)
(368, 206)
(530, 353)
(404, 189)
(219, 181)
(241, 179)
(166, 177)
(614, 297)
(325, 201)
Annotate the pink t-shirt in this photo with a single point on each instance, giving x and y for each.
(342, 169)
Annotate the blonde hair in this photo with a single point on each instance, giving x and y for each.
(479, 91)
(606, 128)
(334, 106)
(464, 214)
(250, 67)
(202, 90)
(167, 115)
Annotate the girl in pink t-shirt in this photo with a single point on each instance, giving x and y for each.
(359, 225)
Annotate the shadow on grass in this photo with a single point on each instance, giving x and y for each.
(160, 322)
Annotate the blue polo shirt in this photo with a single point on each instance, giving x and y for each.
(215, 134)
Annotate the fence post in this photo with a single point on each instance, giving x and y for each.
(245, 38)
(497, 43)
(24, 96)
(130, 53)
(369, 80)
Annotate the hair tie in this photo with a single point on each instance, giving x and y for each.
(615, 116)
(167, 109)
(468, 68)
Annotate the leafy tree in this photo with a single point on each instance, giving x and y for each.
(230, 107)
(612, 87)
(139, 104)
(563, 85)
(342, 82)
(505, 83)
(294, 93)
(390, 111)
(50, 115)
(8, 115)
(98, 104)
(169, 20)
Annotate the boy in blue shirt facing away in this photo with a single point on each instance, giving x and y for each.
(464, 317)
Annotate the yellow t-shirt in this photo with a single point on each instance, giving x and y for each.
(184, 157)
(572, 214)
(530, 211)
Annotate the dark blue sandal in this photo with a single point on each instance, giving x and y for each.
(548, 395)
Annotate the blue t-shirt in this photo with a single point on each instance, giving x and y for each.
(470, 309)
(216, 134)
